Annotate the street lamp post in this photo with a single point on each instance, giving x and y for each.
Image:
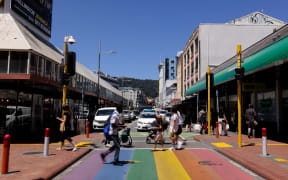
(98, 72)
(70, 40)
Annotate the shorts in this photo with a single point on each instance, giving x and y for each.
(158, 136)
(65, 135)
(179, 130)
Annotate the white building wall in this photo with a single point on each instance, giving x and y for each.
(218, 42)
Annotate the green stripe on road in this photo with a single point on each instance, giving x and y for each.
(144, 134)
(144, 166)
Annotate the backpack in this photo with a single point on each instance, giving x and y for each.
(107, 128)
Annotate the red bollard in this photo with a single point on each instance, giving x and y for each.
(87, 129)
(217, 130)
(5, 155)
(264, 142)
(46, 142)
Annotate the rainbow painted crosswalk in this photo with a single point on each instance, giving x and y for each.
(143, 164)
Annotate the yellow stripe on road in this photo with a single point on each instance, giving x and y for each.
(168, 166)
(280, 160)
(222, 145)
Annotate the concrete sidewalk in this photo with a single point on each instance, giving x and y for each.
(27, 160)
(274, 166)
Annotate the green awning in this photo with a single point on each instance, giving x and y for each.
(272, 53)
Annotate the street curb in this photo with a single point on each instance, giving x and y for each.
(251, 166)
(62, 167)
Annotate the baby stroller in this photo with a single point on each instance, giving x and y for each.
(125, 136)
(153, 132)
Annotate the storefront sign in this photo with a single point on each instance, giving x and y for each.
(37, 12)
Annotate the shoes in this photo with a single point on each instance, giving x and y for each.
(172, 148)
(117, 163)
(103, 157)
(108, 145)
(58, 149)
(74, 149)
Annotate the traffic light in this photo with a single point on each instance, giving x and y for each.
(239, 73)
(65, 78)
(211, 80)
(71, 63)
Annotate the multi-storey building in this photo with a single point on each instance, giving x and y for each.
(134, 95)
(30, 81)
(211, 44)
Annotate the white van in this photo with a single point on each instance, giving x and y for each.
(102, 116)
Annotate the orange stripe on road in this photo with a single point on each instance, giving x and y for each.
(190, 162)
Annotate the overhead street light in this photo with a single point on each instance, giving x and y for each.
(70, 40)
(98, 72)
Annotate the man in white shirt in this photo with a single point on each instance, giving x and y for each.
(174, 127)
(113, 132)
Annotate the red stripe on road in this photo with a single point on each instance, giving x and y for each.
(190, 162)
(222, 167)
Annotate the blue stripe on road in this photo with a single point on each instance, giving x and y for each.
(111, 172)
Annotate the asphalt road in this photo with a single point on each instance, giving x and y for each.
(195, 161)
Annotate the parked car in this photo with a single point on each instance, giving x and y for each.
(101, 117)
(133, 115)
(168, 116)
(126, 115)
(145, 120)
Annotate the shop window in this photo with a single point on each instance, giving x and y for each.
(3, 61)
(18, 62)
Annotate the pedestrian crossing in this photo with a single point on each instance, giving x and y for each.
(144, 164)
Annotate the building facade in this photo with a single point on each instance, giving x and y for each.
(30, 66)
(265, 63)
(134, 95)
(212, 44)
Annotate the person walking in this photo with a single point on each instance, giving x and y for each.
(113, 132)
(250, 117)
(202, 119)
(159, 132)
(173, 127)
(179, 130)
(65, 128)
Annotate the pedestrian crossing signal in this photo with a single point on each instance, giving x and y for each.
(239, 73)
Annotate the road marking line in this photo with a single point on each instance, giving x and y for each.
(168, 166)
(221, 145)
(280, 160)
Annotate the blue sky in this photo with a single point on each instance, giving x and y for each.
(142, 31)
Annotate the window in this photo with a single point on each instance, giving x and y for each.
(3, 61)
(39, 66)
(33, 64)
(18, 62)
(48, 69)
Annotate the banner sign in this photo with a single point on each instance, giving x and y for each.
(37, 12)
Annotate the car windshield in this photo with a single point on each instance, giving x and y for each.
(125, 112)
(168, 114)
(148, 115)
(105, 112)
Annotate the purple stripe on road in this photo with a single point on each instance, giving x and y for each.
(88, 169)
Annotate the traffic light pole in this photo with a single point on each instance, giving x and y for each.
(209, 117)
(239, 96)
(65, 71)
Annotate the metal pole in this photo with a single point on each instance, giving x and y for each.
(98, 89)
(239, 95)
(209, 117)
(65, 71)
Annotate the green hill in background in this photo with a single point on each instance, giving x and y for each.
(148, 86)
